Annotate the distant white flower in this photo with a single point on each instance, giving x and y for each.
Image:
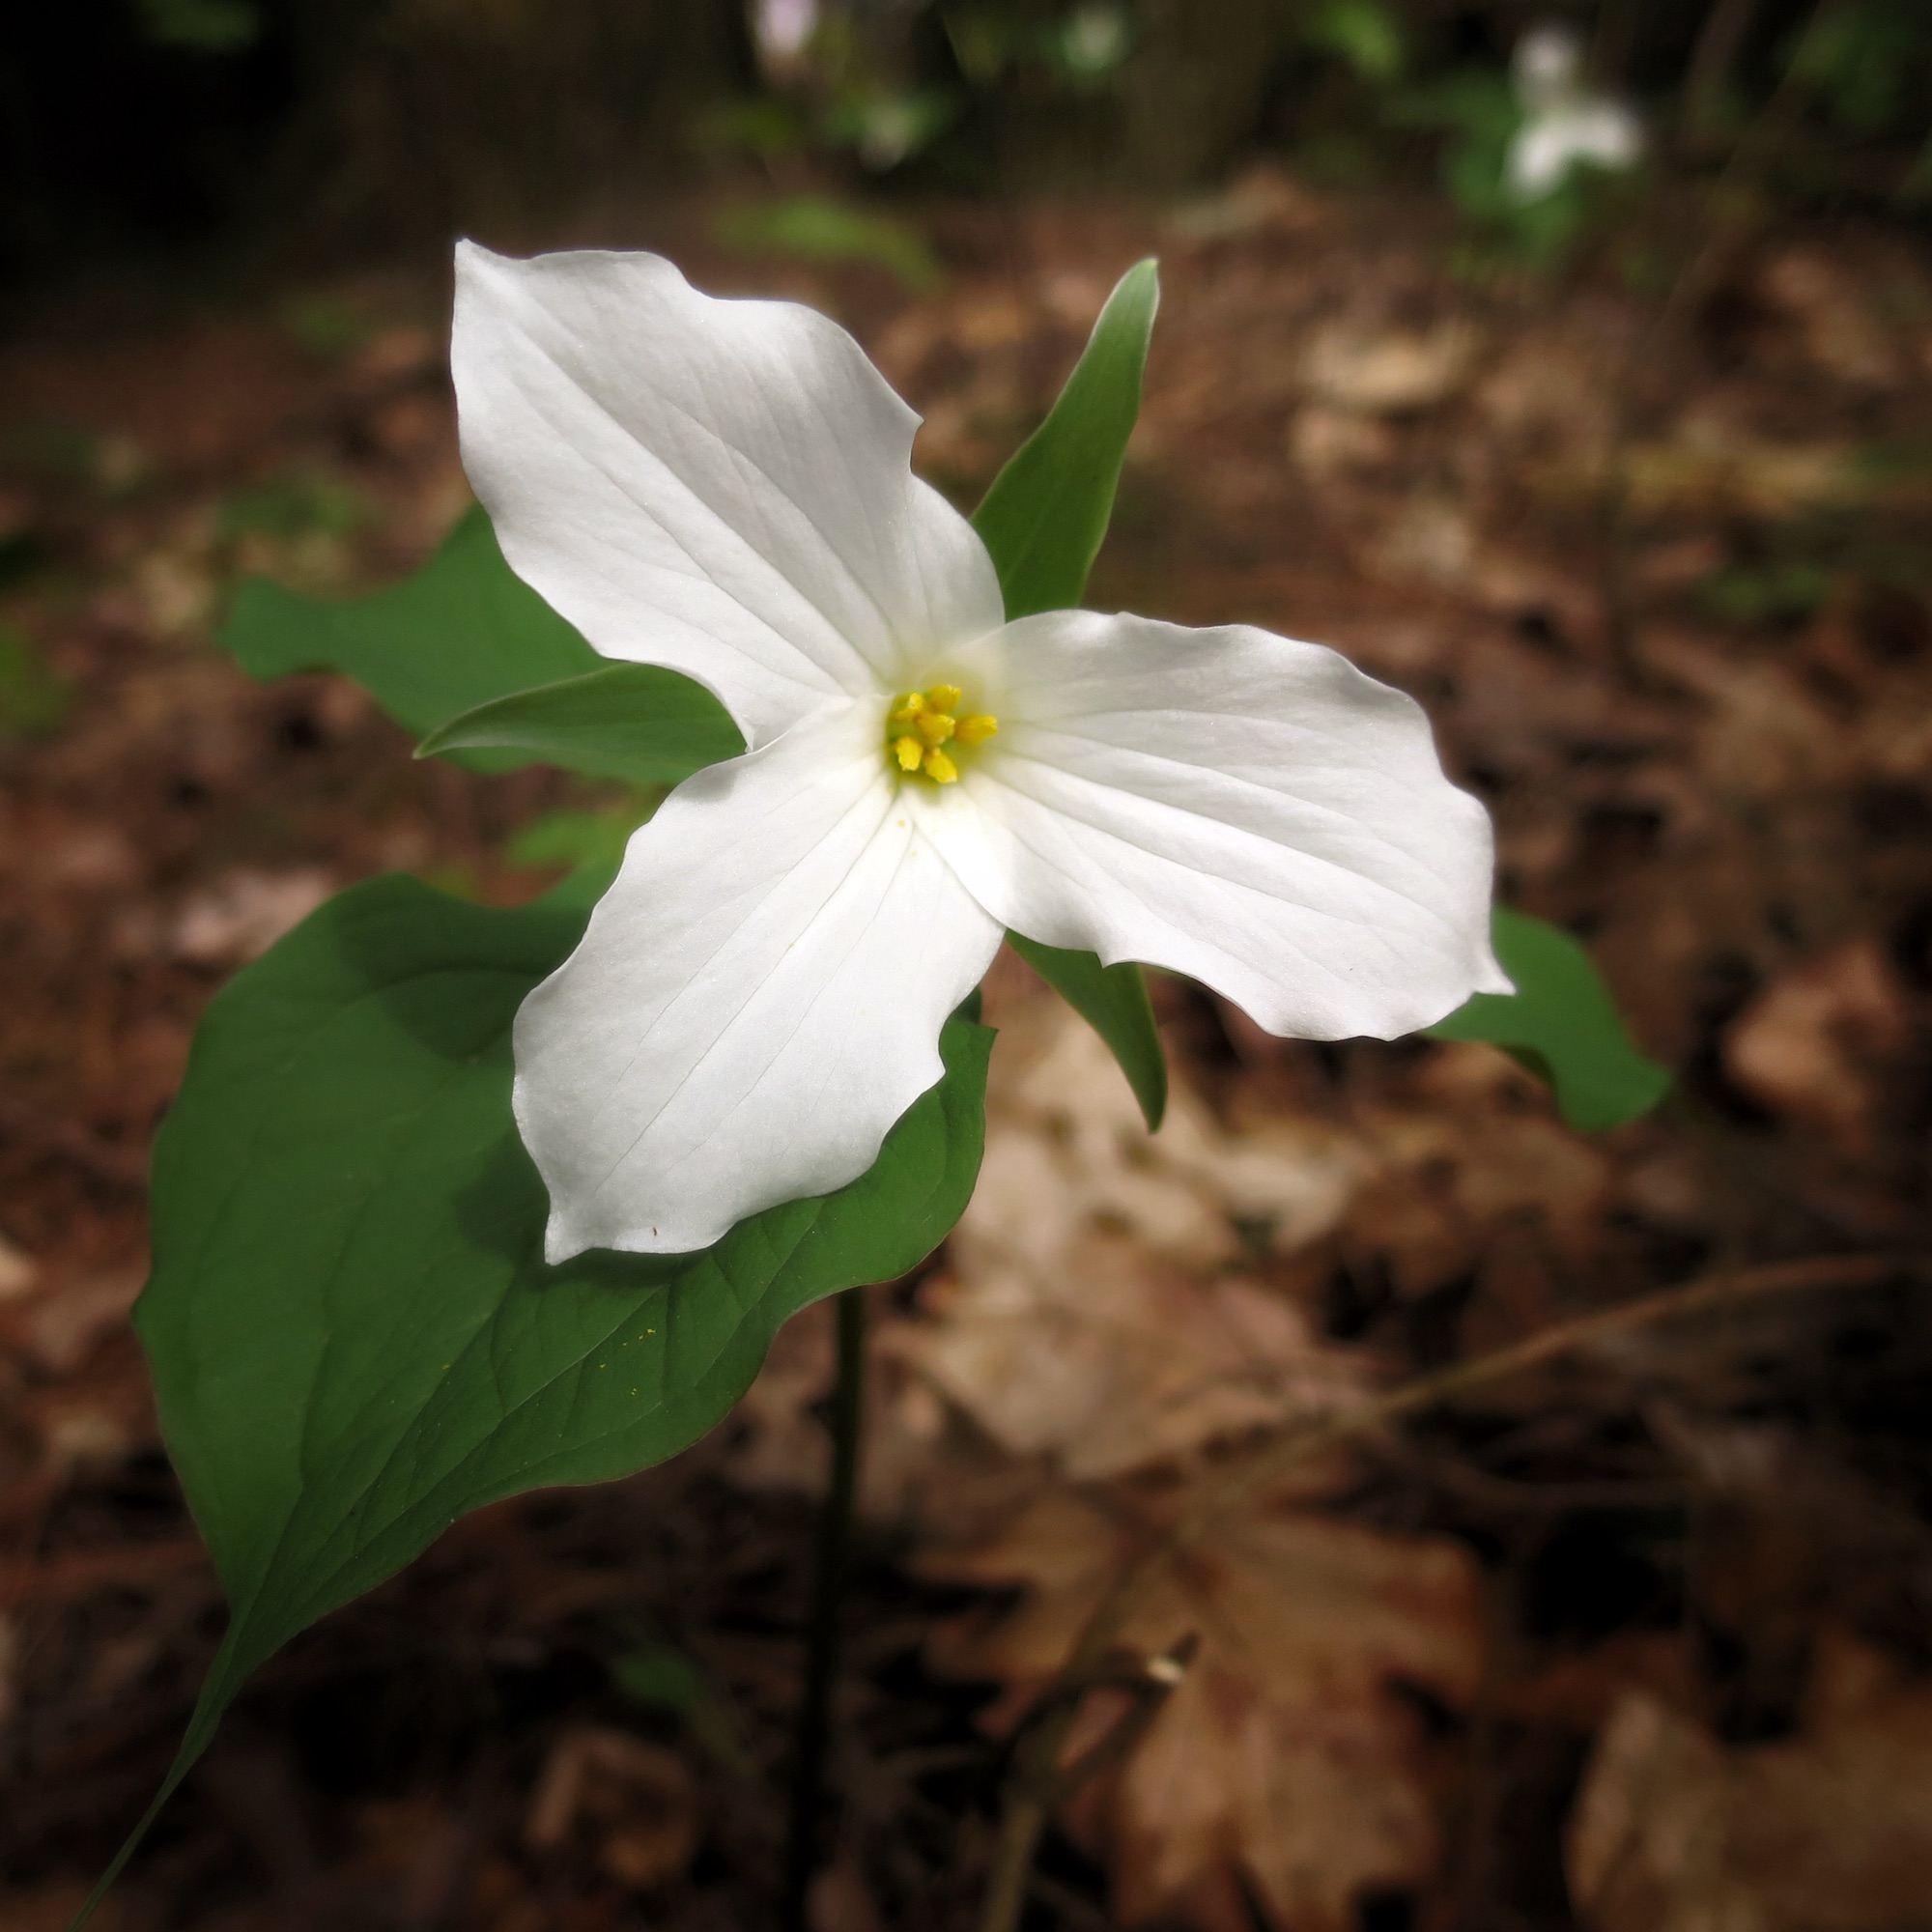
(1547, 66)
(726, 487)
(1563, 125)
(1096, 40)
(782, 28)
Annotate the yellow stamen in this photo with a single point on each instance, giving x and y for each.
(920, 722)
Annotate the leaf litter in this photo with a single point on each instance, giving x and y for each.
(1637, 1640)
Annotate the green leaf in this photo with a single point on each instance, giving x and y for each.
(1113, 999)
(638, 723)
(1562, 1024)
(813, 228)
(1043, 521)
(581, 839)
(660, 1678)
(32, 700)
(1045, 516)
(354, 1336)
(463, 630)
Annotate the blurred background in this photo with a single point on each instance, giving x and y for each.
(1570, 367)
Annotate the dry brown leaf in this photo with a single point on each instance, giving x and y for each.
(841, 1901)
(1766, 735)
(1325, 442)
(241, 916)
(1839, 335)
(1485, 1160)
(1551, 394)
(1815, 1044)
(1099, 1313)
(9, 1675)
(1432, 540)
(1286, 1763)
(18, 1271)
(1110, 1360)
(65, 1321)
(1388, 373)
(52, 1907)
(1830, 1832)
(1712, 468)
(637, 1799)
(1261, 198)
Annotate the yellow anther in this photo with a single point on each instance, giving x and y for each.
(921, 721)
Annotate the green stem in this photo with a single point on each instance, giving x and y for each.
(828, 1589)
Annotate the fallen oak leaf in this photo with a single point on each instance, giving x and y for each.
(1099, 1310)
(1287, 1764)
(1829, 1832)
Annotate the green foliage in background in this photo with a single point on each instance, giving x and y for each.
(815, 228)
(1362, 33)
(32, 700)
(1870, 63)
(207, 26)
(657, 1677)
(302, 504)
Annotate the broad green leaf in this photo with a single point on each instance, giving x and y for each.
(354, 1336)
(1113, 999)
(638, 723)
(1047, 511)
(1043, 521)
(1563, 1025)
(463, 630)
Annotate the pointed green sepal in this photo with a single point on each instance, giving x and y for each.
(1047, 512)
(638, 723)
(1113, 999)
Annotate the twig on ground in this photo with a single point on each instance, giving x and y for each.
(1031, 1794)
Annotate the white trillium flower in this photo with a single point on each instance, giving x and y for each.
(781, 29)
(726, 487)
(1563, 126)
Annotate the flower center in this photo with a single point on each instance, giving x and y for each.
(923, 724)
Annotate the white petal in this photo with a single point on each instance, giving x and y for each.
(1238, 807)
(722, 487)
(756, 1001)
(1545, 149)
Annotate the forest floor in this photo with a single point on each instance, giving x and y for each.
(1642, 1640)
